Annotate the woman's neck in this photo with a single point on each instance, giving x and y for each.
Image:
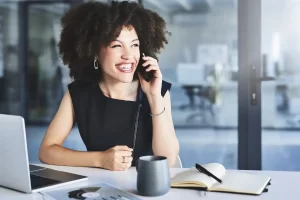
(119, 90)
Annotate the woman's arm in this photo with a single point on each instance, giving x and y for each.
(164, 141)
(51, 150)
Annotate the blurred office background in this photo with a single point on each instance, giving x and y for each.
(201, 61)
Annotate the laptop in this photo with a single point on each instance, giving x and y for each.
(15, 171)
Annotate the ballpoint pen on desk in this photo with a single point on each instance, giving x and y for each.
(203, 170)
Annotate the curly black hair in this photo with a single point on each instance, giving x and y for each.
(88, 26)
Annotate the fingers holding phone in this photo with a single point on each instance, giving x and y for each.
(150, 76)
(147, 75)
(150, 68)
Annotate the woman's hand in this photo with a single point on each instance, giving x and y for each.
(152, 88)
(118, 158)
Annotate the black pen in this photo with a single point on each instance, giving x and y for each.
(203, 170)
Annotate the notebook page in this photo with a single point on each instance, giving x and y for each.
(216, 169)
(241, 182)
(193, 175)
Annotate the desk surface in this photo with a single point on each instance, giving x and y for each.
(284, 185)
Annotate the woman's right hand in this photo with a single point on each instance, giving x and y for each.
(117, 158)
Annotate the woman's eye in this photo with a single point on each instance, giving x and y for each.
(117, 45)
(136, 45)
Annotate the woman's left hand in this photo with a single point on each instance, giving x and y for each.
(153, 87)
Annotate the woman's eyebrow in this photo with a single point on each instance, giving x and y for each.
(116, 40)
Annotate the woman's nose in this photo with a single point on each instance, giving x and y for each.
(127, 54)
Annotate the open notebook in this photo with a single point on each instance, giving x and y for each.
(232, 181)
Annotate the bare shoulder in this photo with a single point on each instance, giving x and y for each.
(167, 97)
(66, 104)
(167, 102)
(67, 97)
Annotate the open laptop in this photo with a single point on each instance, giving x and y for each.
(15, 171)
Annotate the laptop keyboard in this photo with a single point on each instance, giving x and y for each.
(39, 182)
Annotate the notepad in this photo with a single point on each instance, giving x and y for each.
(232, 181)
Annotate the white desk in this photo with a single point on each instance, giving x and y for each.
(285, 185)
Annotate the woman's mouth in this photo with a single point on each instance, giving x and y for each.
(125, 68)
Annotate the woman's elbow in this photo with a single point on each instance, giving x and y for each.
(43, 154)
(171, 161)
(174, 156)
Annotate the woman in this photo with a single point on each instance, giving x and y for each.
(120, 115)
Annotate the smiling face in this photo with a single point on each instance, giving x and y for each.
(120, 58)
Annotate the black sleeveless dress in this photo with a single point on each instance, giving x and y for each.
(105, 122)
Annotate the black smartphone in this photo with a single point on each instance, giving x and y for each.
(148, 76)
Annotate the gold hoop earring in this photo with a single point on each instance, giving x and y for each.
(96, 64)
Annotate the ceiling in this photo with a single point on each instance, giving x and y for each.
(169, 7)
(188, 12)
(55, 8)
(174, 7)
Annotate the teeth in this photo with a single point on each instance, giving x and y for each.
(127, 66)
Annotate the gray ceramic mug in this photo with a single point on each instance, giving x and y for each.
(153, 177)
